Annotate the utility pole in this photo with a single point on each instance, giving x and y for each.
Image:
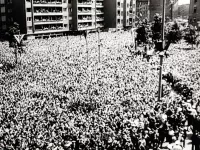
(172, 9)
(161, 55)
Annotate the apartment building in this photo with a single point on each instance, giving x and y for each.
(114, 13)
(119, 13)
(194, 12)
(87, 14)
(129, 13)
(5, 15)
(41, 17)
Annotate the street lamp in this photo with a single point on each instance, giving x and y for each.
(161, 55)
(172, 6)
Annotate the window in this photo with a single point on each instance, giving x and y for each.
(4, 27)
(2, 1)
(9, 1)
(70, 9)
(28, 18)
(195, 10)
(3, 18)
(9, 10)
(29, 28)
(118, 21)
(3, 9)
(28, 10)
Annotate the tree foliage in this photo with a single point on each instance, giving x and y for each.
(12, 30)
(191, 36)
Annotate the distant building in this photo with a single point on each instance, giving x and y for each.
(5, 15)
(171, 9)
(155, 6)
(183, 11)
(194, 12)
(142, 10)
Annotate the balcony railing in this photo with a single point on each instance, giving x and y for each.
(84, 3)
(47, 2)
(84, 11)
(49, 30)
(83, 21)
(48, 5)
(48, 14)
(51, 22)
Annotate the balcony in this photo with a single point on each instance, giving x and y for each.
(100, 26)
(46, 2)
(99, 19)
(48, 5)
(85, 4)
(48, 14)
(48, 22)
(40, 31)
(84, 13)
(99, 5)
(99, 13)
(84, 21)
(86, 28)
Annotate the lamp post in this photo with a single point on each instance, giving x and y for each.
(161, 55)
(99, 44)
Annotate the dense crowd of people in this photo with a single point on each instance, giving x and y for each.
(52, 100)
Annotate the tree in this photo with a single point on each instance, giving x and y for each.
(191, 37)
(156, 28)
(12, 30)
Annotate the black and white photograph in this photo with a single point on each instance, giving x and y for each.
(99, 74)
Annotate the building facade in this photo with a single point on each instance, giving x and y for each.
(142, 10)
(194, 12)
(119, 13)
(5, 15)
(37, 17)
(129, 13)
(87, 14)
(114, 13)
